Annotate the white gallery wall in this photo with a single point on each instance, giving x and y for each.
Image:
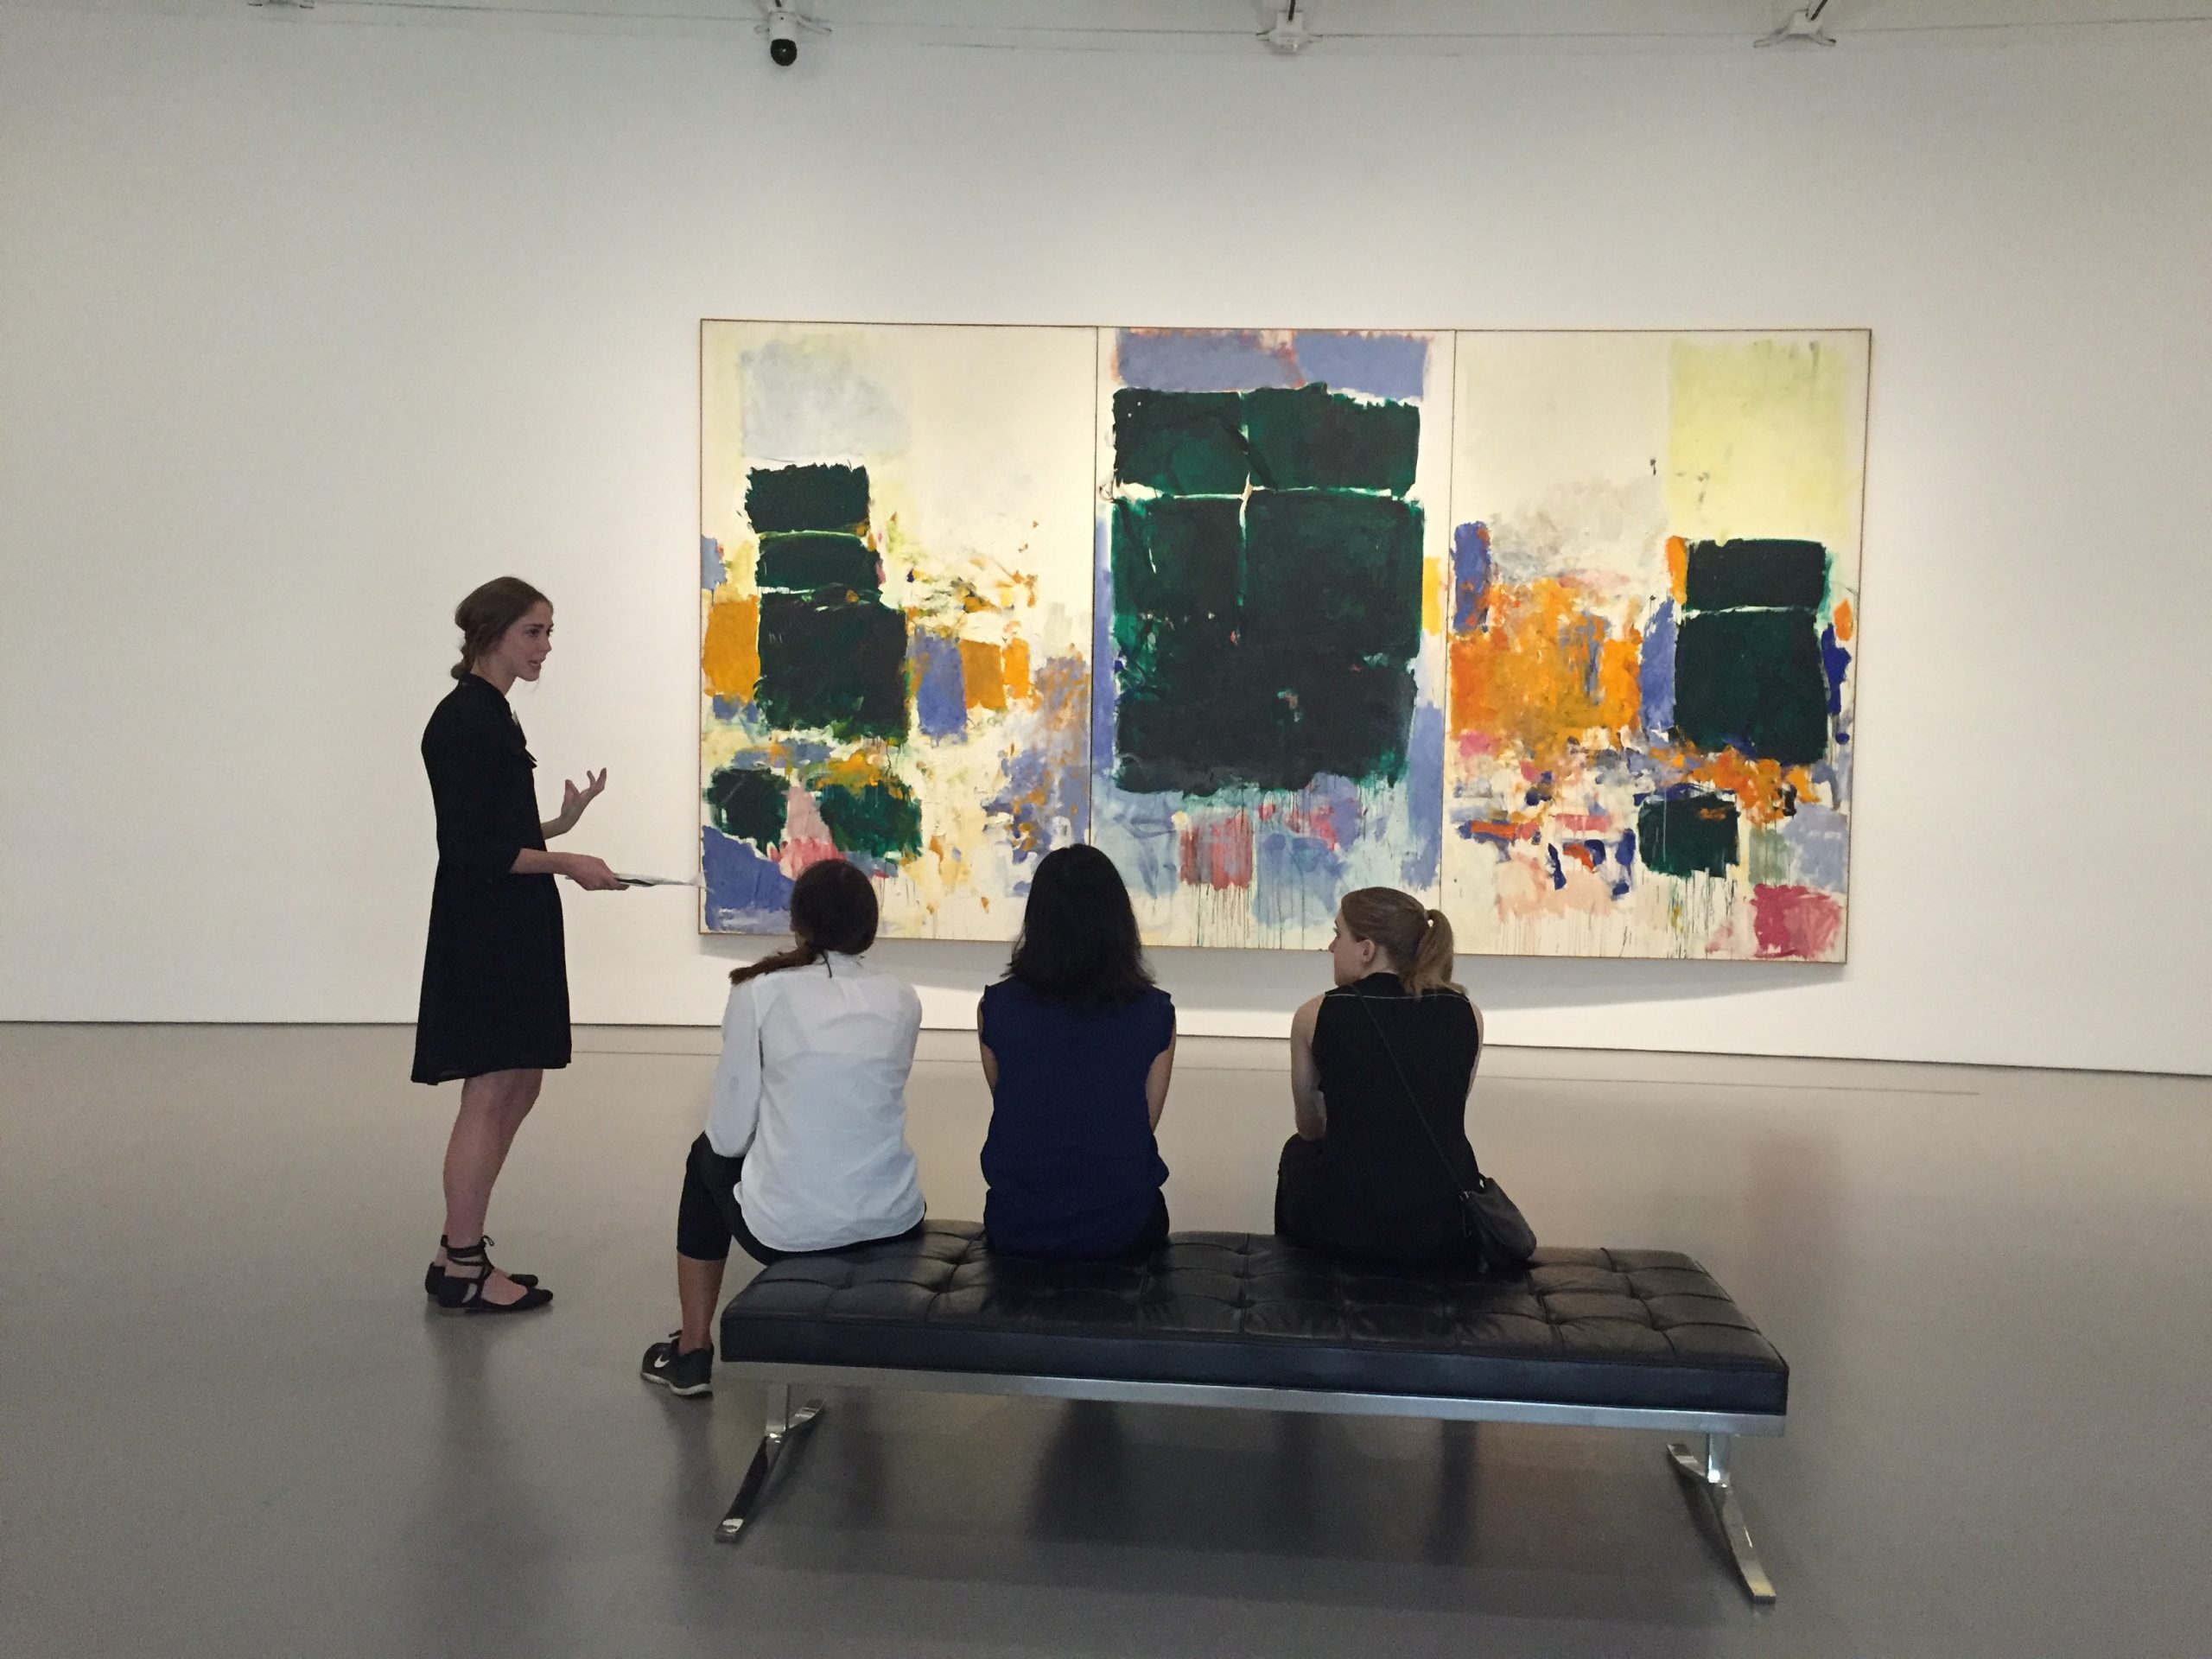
(308, 324)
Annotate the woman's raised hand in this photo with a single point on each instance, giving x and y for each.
(574, 800)
(592, 875)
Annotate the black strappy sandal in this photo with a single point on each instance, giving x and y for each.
(433, 1275)
(458, 1293)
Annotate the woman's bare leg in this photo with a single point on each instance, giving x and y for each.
(698, 1286)
(493, 1107)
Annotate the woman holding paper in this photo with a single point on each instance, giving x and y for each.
(495, 983)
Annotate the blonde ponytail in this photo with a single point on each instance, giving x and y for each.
(1418, 941)
(1430, 967)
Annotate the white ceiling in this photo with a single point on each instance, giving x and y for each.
(1365, 24)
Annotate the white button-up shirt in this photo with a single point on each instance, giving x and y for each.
(811, 1093)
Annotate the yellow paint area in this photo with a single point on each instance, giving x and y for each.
(1432, 596)
(730, 660)
(982, 673)
(1529, 678)
(1760, 441)
(1014, 668)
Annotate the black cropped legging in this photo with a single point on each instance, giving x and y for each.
(708, 1218)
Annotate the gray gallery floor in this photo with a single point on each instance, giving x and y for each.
(229, 1426)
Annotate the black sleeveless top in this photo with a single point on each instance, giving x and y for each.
(1373, 1186)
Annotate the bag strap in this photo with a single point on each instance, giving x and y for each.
(1413, 1102)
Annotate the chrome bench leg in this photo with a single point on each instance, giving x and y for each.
(1709, 1476)
(782, 1422)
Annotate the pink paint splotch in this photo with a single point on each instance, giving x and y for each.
(1218, 855)
(1795, 923)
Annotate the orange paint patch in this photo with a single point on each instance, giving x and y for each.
(1545, 674)
(1843, 620)
(1014, 668)
(981, 673)
(1499, 829)
(1678, 568)
(730, 658)
(854, 771)
(1766, 791)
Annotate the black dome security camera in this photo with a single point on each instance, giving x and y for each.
(783, 38)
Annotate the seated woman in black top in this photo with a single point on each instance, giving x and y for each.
(1078, 1044)
(1363, 1178)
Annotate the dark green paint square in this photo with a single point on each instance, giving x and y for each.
(1753, 681)
(1687, 835)
(816, 561)
(838, 665)
(750, 803)
(1728, 575)
(1175, 556)
(806, 498)
(1333, 576)
(1179, 443)
(877, 820)
(1314, 439)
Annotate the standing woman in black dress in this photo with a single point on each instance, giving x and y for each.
(495, 978)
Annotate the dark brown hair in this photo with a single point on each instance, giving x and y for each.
(1078, 944)
(488, 613)
(833, 908)
(1418, 941)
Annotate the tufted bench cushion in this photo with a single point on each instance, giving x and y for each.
(1619, 1329)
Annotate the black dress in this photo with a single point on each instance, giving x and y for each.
(495, 975)
(1373, 1187)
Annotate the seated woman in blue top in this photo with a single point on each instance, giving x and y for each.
(1078, 1044)
(1380, 1070)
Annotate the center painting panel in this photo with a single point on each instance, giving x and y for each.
(1269, 657)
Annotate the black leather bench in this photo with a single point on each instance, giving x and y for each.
(1601, 1338)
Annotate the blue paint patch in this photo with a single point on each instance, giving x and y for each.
(1380, 365)
(1199, 360)
(940, 689)
(1625, 850)
(1332, 808)
(1470, 573)
(744, 890)
(1655, 675)
(730, 708)
(1835, 661)
(1425, 798)
(711, 574)
(1297, 880)
(1105, 689)
(1149, 823)
(1819, 838)
(1034, 798)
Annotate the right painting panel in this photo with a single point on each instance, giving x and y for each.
(1651, 634)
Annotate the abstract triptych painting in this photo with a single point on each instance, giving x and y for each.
(1555, 630)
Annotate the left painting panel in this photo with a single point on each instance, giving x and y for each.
(895, 611)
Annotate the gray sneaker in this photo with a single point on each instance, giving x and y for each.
(689, 1375)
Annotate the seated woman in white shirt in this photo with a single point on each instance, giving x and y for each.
(805, 1147)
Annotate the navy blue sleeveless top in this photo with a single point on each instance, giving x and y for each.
(1069, 1160)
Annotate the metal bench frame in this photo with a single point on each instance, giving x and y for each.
(1704, 1472)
